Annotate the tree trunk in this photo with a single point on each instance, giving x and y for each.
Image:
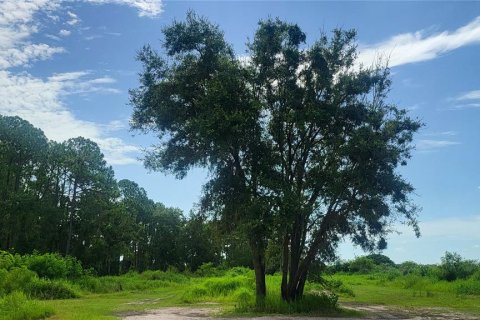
(71, 216)
(285, 251)
(258, 256)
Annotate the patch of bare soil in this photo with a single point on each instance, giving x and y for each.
(370, 311)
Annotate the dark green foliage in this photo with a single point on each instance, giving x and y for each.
(361, 265)
(209, 270)
(380, 259)
(454, 267)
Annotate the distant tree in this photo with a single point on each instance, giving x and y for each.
(380, 259)
(454, 267)
(141, 209)
(199, 243)
(88, 174)
(300, 141)
(361, 265)
(22, 153)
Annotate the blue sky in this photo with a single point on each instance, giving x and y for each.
(66, 66)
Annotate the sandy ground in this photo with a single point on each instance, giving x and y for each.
(371, 312)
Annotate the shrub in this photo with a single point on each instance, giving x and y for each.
(223, 286)
(49, 265)
(468, 287)
(245, 299)
(454, 267)
(208, 270)
(362, 265)
(17, 279)
(7, 260)
(49, 290)
(16, 306)
(99, 285)
(194, 294)
(380, 259)
(239, 271)
(409, 267)
(74, 268)
(164, 276)
(338, 287)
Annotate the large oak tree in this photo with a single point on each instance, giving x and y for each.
(301, 143)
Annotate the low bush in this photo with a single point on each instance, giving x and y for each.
(99, 284)
(224, 286)
(49, 290)
(16, 279)
(16, 306)
(209, 270)
(468, 287)
(49, 265)
(168, 276)
(361, 265)
(54, 266)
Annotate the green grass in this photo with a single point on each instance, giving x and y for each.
(412, 291)
(16, 306)
(111, 297)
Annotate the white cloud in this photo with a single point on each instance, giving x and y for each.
(420, 46)
(428, 145)
(468, 100)
(16, 27)
(149, 8)
(65, 33)
(73, 18)
(442, 133)
(472, 95)
(42, 101)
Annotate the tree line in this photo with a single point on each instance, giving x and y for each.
(63, 198)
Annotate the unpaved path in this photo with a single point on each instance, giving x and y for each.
(371, 312)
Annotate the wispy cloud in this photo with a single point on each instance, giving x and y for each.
(467, 100)
(472, 95)
(149, 8)
(429, 145)
(420, 45)
(441, 133)
(73, 18)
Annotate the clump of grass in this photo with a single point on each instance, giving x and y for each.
(49, 290)
(468, 287)
(168, 276)
(224, 286)
(100, 284)
(16, 306)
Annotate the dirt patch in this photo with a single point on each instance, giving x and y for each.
(370, 311)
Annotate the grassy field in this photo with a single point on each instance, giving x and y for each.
(234, 293)
(57, 292)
